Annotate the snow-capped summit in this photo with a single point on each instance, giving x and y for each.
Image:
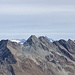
(21, 41)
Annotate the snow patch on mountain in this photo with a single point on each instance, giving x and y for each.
(21, 41)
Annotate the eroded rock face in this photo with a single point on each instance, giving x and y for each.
(5, 53)
(37, 56)
(32, 40)
(6, 59)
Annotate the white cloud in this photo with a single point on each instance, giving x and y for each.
(23, 17)
(48, 2)
(33, 9)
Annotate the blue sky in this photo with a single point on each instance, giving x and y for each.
(52, 18)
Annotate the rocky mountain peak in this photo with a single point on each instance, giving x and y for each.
(32, 40)
(62, 41)
(70, 41)
(3, 43)
(44, 39)
(5, 53)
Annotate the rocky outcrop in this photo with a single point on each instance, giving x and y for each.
(6, 59)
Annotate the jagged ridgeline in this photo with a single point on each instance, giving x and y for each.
(37, 56)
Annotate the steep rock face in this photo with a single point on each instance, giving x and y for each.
(63, 47)
(29, 67)
(32, 40)
(69, 45)
(56, 52)
(33, 46)
(5, 53)
(6, 59)
(41, 43)
(45, 43)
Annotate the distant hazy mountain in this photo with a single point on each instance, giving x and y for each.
(37, 56)
(21, 41)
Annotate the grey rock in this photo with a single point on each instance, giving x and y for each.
(37, 56)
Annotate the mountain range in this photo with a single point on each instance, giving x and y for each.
(37, 56)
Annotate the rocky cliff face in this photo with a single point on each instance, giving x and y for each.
(37, 56)
(6, 59)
